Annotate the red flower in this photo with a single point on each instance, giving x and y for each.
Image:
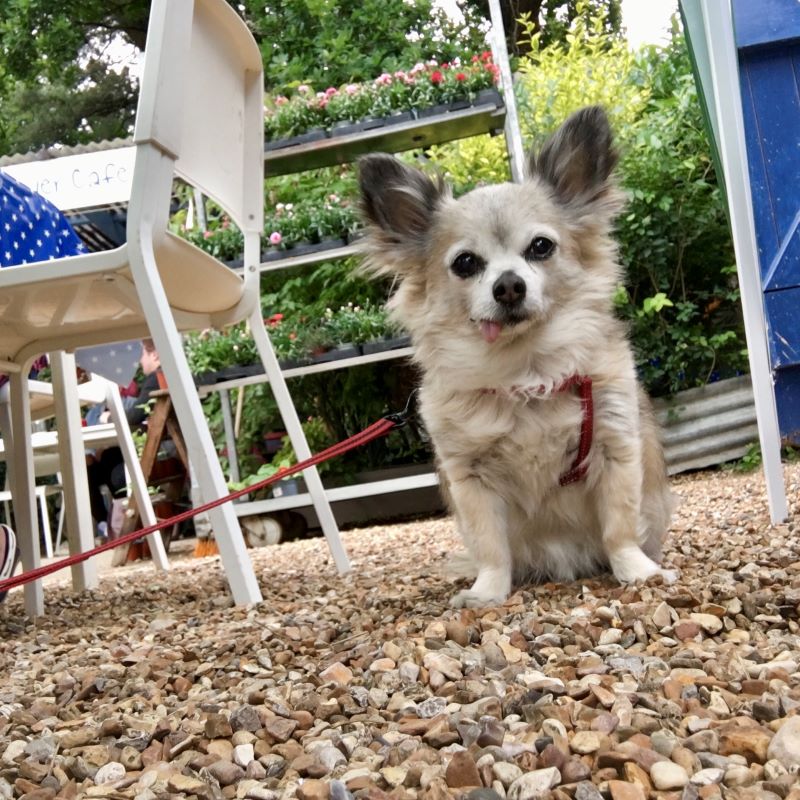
(460, 76)
(436, 76)
(486, 56)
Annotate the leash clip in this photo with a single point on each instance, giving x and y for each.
(400, 418)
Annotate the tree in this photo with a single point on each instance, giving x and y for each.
(59, 85)
(332, 42)
(549, 18)
(56, 74)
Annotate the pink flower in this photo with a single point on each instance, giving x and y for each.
(351, 88)
(275, 238)
(208, 234)
(304, 88)
(281, 100)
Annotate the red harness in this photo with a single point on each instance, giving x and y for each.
(583, 383)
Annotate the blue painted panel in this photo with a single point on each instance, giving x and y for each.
(783, 326)
(787, 399)
(768, 41)
(771, 108)
(760, 22)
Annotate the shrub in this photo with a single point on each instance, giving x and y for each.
(681, 296)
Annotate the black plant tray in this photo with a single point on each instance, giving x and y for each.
(446, 125)
(297, 141)
(381, 345)
(302, 249)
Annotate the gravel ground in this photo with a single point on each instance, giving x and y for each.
(154, 686)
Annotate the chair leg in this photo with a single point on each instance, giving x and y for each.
(73, 464)
(297, 436)
(134, 470)
(60, 526)
(202, 453)
(23, 489)
(41, 496)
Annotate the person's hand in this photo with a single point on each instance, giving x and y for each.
(105, 417)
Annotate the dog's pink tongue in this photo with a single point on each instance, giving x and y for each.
(490, 330)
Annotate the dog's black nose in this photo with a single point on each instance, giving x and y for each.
(509, 288)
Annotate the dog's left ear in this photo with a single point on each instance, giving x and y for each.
(578, 159)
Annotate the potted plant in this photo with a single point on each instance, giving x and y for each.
(295, 228)
(392, 97)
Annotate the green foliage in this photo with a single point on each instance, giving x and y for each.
(752, 459)
(224, 242)
(420, 86)
(334, 42)
(586, 68)
(682, 298)
(56, 78)
(551, 19)
(318, 437)
(559, 74)
(288, 223)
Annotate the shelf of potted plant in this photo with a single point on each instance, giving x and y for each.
(415, 133)
(339, 339)
(425, 105)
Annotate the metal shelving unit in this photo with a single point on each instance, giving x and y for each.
(489, 117)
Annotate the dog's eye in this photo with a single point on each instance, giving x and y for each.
(467, 264)
(540, 248)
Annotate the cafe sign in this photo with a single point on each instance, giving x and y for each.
(84, 180)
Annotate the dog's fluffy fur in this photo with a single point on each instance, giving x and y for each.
(511, 286)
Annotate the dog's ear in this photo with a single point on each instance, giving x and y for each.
(578, 159)
(399, 203)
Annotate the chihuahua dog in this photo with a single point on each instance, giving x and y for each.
(546, 446)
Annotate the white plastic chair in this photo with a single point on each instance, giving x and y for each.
(42, 466)
(200, 117)
(47, 462)
(50, 451)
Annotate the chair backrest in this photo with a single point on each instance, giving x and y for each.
(201, 103)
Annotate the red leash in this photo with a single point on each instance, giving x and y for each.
(377, 429)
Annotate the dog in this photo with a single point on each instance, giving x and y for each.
(546, 446)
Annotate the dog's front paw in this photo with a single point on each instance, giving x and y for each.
(468, 598)
(491, 588)
(630, 565)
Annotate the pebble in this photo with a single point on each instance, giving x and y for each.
(668, 775)
(155, 685)
(534, 785)
(785, 745)
(243, 754)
